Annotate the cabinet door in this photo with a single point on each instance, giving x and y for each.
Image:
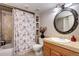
(64, 51)
(46, 51)
(55, 53)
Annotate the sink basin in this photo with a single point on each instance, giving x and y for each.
(60, 40)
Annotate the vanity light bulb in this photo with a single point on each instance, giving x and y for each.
(68, 4)
(57, 9)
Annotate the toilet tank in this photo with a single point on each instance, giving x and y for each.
(41, 41)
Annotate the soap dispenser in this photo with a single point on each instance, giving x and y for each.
(73, 38)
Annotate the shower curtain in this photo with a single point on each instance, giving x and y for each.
(24, 30)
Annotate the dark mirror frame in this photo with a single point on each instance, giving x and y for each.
(75, 21)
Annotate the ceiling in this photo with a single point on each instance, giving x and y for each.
(33, 7)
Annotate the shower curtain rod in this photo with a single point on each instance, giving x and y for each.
(12, 7)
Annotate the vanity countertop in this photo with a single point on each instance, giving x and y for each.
(74, 46)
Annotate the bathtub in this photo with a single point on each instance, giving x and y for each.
(6, 50)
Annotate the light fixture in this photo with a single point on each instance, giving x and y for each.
(57, 8)
(67, 4)
(26, 6)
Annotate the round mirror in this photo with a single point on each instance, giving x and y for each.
(66, 21)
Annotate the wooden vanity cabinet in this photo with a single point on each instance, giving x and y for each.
(46, 51)
(54, 50)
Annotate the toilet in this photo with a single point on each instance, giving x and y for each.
(37, 48)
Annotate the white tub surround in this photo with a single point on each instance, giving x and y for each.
(6, 50)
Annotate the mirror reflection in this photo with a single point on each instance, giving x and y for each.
(64, 21)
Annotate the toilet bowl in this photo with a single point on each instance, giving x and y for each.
(38, 47)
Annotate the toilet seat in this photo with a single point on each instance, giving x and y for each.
(37, 46)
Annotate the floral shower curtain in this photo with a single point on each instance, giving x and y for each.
(24, 30)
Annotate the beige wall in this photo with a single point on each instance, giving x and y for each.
(7, 26)
(47, 18)
(0, 23)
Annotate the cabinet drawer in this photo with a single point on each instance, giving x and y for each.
(47, 45)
